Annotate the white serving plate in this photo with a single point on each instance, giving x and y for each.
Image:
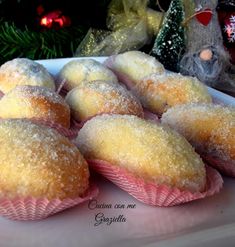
(209, 222)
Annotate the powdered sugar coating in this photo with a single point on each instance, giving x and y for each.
(135, 65)
(97, 97)
(35, 102)
(146, 149)
(23, 71)
(160, 92)
(37, 161)
(209, 127)
(28, 91)
(77, 71)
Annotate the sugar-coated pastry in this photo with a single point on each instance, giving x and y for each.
(78, 71)
(98, 97)
(208, 127)
(35, 102)
(38, 162)
(160, 92)
(148, 150)
(132, 66)
(23, 71)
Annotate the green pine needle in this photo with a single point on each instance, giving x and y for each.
(15, 42)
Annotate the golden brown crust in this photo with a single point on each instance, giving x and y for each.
(135, 65)
(77, 71)
(98, 97)
(22, 71)
(38, 162)
(161, 92)
(210, 128)
(148, 150)
(35, 102)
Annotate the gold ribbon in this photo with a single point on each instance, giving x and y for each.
(131, 25)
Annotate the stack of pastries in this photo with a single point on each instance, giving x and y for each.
(115, 130)
(29, 92)
(42, 171)
(110, 100)
(185, 105)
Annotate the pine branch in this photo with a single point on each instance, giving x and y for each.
(15, 42)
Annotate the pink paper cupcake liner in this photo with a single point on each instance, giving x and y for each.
(151, 193)
(225, 167)
(77, 125)
(150, 116)
(39, 208)
(63, 92)
(60, 86)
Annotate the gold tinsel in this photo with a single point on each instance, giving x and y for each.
(131, 25)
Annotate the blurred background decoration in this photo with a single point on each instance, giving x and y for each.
(195, 37)
(131, 25)
(42, 29)
(226, 14)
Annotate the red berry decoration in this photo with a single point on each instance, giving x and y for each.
(55, 19)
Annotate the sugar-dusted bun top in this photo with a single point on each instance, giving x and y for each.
(35, 102)
(136, 65)
(160, 92)
(149, 150)
(98, 97)
(23, 71)
(27, 91)
(209, 127)
(37, 161)
(77, 71)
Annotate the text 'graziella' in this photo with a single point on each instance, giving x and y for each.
(101, 218)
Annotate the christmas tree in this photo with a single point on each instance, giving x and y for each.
(170, 41)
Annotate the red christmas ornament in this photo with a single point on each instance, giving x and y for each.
(55, 19)
(204, 16)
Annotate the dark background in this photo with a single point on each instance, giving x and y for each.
(90, 13)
